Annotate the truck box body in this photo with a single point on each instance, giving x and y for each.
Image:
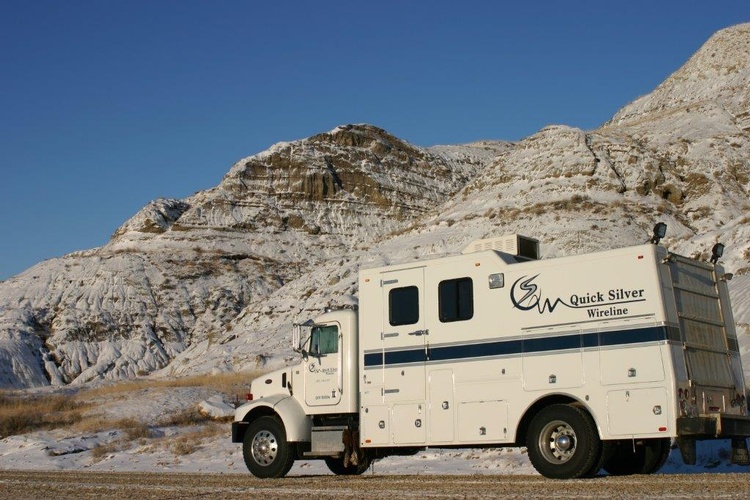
(616, 329)
(488, 347)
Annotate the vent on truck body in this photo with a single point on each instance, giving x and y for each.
(514, 244)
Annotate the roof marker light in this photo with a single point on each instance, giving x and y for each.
(716, 252)
(660, 230)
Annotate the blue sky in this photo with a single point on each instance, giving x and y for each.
(106, 105)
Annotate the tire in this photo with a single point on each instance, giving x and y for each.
(661, 456)
(608, 448)
(645, 457)
(265, 449)
(336, 465)
(563, 443)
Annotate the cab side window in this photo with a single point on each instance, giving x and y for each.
(324, 340)
(456, 300)
(403, 306)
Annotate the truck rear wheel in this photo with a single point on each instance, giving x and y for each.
(644, 457)
(265, 449)
(661, 456)
(563, 443)
(336, 465)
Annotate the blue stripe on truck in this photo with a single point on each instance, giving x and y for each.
(510, 347)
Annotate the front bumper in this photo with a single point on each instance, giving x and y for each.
(238, 431)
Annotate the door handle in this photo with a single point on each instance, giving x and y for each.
(419, 333)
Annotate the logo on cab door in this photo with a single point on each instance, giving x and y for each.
(325, 371)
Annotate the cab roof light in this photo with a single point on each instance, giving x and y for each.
(660, 230)
(717, 252)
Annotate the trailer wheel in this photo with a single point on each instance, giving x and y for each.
(336, 465)
(265, 449)
(643, 457)
(563, 443)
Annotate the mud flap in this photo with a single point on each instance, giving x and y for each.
(739, 452)
(687, 449)
(352, 451)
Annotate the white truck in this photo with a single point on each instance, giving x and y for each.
(591, 361)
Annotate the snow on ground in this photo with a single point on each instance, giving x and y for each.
(66, 449)
(51, 451)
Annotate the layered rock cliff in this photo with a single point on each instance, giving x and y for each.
(214, 281)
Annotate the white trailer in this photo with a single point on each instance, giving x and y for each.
(592, 361)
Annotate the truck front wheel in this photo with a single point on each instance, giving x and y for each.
(265, 449)
(563, 443)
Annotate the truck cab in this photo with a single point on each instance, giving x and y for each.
(302, 411)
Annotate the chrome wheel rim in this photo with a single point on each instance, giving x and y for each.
(264, 448)
(557, 442)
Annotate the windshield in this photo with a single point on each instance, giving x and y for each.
(324, 340)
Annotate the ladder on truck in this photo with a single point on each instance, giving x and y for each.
(703, 330)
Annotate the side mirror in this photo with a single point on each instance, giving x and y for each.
(297, 338)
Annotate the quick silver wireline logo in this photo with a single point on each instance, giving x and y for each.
(527, 295)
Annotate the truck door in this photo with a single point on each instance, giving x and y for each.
(323, 366)
(404, 335)
(405, 354)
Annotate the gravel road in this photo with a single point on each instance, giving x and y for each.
(18, 485)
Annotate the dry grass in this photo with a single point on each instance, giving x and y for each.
(185, 443)
(190, 442)
(100, 451)
(227, 383)
(138, 433)
(92, 423)
(133, 429)
(79, 413)
(21, 413)
(183, 446)
(190, 416)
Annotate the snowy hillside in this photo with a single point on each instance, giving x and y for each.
(180, 271)
(213, 282)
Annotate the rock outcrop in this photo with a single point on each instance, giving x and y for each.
(213, 282)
